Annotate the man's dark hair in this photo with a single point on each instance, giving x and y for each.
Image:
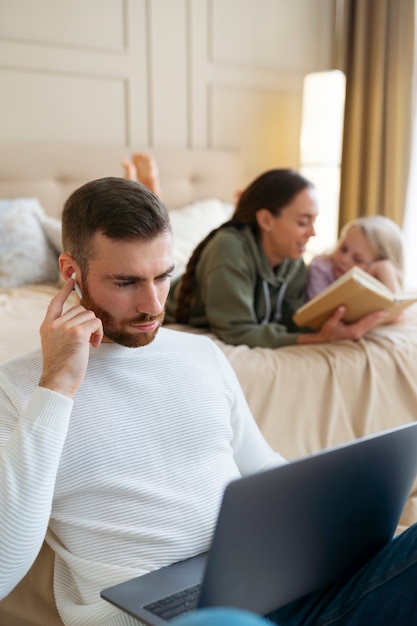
(116, 207)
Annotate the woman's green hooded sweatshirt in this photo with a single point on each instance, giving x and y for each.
(240, 297)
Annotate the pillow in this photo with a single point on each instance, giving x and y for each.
(53, 231)
(26, 255)
(30, 240)
(192, 223)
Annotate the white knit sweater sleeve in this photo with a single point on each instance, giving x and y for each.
(30, 450)
(251, 450)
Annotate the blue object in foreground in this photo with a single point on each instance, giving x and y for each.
(219, 617)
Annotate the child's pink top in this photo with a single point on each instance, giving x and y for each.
(320, 275)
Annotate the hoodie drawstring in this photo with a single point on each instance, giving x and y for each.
(280, 298)
(268, 306)
(267, 302)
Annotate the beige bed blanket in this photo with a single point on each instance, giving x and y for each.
(304, 398)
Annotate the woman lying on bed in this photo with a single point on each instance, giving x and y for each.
(245, 280)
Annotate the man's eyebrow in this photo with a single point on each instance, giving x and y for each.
(136, 277)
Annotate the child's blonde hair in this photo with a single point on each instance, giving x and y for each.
(385, 238)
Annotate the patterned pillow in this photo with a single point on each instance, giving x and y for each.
(26, 254)
(30, 240)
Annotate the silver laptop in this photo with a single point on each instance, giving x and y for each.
(287, 531)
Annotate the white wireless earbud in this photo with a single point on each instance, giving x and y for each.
(76, 286)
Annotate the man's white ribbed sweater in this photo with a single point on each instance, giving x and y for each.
(128, 476)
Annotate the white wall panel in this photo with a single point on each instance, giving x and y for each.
(280, 34)
(199, 114)
(168, 33)
(137, 70)
(263, 124)
(80, 23)
(184, 73)
(72, 108)
(96, 76)
(41, 56)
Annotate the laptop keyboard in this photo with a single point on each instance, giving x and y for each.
(178, 603)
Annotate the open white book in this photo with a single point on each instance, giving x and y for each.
(360, 292)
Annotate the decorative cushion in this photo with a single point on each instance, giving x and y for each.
(26, 254)
(192, 223)
(30, 240)
(53, 231)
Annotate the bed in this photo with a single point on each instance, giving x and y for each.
(303, 398)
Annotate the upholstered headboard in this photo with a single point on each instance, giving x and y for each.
(51, 171)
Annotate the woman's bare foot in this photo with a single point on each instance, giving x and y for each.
(129, 169)
(147, 172)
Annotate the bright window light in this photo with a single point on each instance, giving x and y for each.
(321, 150)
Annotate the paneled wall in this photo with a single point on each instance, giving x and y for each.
(189, 73)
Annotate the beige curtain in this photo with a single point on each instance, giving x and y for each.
(375, 49)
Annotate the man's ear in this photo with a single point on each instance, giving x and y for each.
(264, 219)
(67, 266)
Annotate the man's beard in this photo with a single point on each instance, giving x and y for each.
(116, 330)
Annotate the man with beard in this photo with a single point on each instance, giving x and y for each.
(118, 438)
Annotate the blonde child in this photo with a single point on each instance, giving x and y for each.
(373, 243)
